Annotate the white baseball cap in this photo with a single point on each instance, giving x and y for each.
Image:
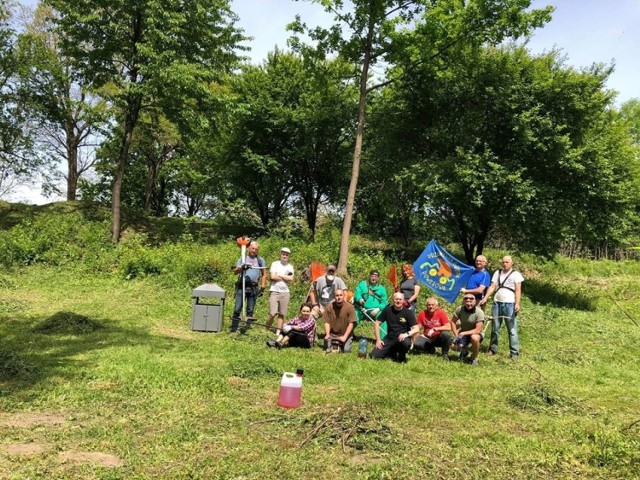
(285, 250)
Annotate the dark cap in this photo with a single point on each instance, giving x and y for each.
(331, 268)
(374, 272)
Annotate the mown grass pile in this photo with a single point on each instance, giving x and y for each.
(99, 340)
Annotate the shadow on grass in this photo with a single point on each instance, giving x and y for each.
(35, 349)
(561, 296)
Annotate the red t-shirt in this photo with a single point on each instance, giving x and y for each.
(438, 319)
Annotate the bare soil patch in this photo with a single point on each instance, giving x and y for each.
(25, 448)
(104, 459)
(23, 420)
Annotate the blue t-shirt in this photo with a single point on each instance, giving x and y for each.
(479, 278)
(252, 276)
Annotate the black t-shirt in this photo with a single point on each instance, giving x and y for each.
(398, 322)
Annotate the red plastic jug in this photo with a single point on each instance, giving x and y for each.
(290, 393)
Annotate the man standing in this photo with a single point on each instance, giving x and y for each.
(467, 323)
(507, 285)
(437, 330)
(339, 320)
(479, 281)
(281, 272)
(323, 292)
(401, 325)
(371, 296)
(253, 269)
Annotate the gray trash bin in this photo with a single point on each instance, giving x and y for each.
(208, 308)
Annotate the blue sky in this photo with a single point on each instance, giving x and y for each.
(587, 31)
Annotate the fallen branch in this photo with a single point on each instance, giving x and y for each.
(317, 428)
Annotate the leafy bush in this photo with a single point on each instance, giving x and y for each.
(55, 239)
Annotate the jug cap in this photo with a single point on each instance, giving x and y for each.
(299, 372)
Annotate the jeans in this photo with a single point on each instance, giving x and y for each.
(251, 294)
(505, 312)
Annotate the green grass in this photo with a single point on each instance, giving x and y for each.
(115, 361)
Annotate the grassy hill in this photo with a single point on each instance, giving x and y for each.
(101, 377)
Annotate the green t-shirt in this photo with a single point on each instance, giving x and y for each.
(468, 319)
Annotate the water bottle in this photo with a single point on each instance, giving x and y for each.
(290, 390)
(362, 348)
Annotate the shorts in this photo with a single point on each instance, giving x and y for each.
(279, 303)
(466, 340)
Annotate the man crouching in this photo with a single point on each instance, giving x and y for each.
(467, 323)
(401, 325)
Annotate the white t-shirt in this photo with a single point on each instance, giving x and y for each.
(507, 293)
(278, 268)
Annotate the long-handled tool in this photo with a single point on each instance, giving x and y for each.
(245, 321)
(365, 314)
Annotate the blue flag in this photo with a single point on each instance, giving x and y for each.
(440, 271)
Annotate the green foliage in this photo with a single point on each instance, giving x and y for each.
(55, 239)
(497, 144)
(17, 159)
(289, 143)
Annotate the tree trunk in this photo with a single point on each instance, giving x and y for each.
(343, 259)
(72, 175)
(72, 161)
(152, 175)
(131, 118)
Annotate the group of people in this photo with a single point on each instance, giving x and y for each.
(398, 330)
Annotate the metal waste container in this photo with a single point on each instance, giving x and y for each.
(208, 308)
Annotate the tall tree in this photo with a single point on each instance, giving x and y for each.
(162, 52)
(291, 136)
(65, 116)
(522, 148)
(17, 161)
(369, 32)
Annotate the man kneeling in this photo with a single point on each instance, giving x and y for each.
(467, 325)
(437, 330)
(401, 325)
(339, 320)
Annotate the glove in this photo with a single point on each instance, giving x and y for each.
(246, 266)
(430, 333)
(286, 328)
(457, 340)
(260, 292)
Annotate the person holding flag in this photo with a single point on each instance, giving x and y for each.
(479, 281)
